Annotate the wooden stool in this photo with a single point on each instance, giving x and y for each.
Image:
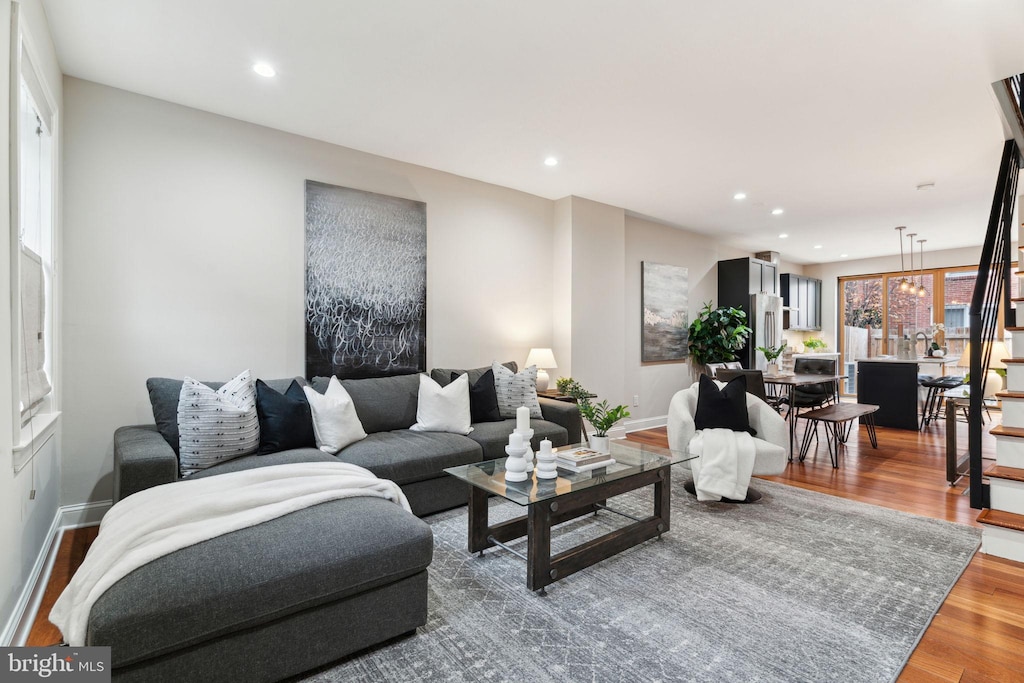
(838, 420)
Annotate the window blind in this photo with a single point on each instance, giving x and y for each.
(35, 385)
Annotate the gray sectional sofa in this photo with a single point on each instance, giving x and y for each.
(386, 407)
(297, 592)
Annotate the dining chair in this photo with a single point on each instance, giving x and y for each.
(755, 381)
(814, 395)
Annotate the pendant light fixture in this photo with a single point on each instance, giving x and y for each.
(912, 286)
(921, 291)
(904, 285)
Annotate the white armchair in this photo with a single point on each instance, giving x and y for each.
(771, 445)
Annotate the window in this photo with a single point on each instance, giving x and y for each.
(33, 262)
(877, 313)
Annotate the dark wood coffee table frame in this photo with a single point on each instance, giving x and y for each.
(543, 569)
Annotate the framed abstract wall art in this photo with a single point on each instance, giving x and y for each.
(366, 283)
(664, 297)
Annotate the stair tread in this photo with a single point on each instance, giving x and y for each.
(1015, 329)
(1002, 472)
(1017, 298)
(1012, 360)
(1003, 430)
(1007, 520)
(1010, 394)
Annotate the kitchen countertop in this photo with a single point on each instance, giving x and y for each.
(920, 359)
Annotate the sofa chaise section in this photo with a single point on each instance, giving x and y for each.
(269, 601)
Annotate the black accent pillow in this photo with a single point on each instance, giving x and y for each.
(724, 408)
(483, 399)
(285, 419)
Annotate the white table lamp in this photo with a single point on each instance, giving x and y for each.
(543, 359)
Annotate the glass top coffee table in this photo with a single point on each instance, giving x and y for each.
(550, 502)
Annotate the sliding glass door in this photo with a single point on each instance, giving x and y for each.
(862, 324)
(876, 313)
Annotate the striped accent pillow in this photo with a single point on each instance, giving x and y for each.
(216, 426)
(516, 389)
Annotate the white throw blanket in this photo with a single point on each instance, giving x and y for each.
(724, 465)
(160, 520)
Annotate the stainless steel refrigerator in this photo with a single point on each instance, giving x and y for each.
(765, 317)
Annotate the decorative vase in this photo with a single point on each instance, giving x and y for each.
(772, 369)
(600, 444)
(546, 468)
(515, 464)
(527, 434)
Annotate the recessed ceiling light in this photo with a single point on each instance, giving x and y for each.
(264, 69)
(551, 161)
(843, 255)
(783, 235)
(777, 212)
(925, 187)
(740, 195)
(817, 246)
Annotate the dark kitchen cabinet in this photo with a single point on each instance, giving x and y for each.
(803, 297)
(738, 278)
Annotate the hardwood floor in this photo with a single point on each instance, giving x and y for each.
(74, 543)
(978, 633)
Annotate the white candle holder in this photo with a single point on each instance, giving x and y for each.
(546, 468)
(515, 464)
(527, 434)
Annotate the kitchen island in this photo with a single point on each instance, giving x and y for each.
(892, 384)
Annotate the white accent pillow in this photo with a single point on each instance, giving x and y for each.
(516, 389)
(443, 409)
(335, 422)
(216, 426)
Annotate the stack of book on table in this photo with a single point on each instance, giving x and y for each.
(582, 460)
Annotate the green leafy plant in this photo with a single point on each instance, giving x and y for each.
(600, 415)
(814, 343)
(570, 387)
(772, 354)
(717, 334)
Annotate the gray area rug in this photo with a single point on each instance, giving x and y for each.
(800, 586)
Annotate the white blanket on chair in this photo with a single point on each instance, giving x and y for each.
(160, 520)
(724, 464)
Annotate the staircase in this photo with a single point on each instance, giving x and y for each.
(1001, 499)
(1003, 516)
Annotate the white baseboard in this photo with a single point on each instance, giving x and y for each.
(16, 631)
(83, 514)
(19, 625)
(645, 423)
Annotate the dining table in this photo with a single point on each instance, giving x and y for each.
(789, 383)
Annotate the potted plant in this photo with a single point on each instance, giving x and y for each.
(772, 355)
(814, 345)
(600, 415)
(716, 335)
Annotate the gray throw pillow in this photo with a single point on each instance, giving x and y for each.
(444, 375)
(164, 394)
(516, 389)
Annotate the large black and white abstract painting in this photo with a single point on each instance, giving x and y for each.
(366, 283)
(664, 297)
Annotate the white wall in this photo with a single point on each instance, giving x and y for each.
(184, 247)
(656, 383)
(829, 274)
(598, 241)
(24, 522)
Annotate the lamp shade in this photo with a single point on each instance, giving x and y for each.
(542, 358)
(999, 352)
(965, 357)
